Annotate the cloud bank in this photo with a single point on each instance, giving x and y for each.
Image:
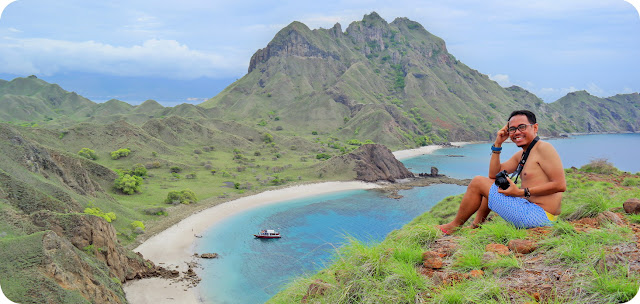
(154, 57)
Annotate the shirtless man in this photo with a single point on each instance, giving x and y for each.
(538, 201)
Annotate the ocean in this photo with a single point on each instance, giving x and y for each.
(253, 270)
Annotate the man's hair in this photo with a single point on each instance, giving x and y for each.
(530, 116)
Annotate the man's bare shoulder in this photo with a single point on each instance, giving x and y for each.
(546, 149)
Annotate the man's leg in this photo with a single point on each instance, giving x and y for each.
(475, 199)
(482, 213)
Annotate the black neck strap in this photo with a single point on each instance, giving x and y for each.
(523, 160)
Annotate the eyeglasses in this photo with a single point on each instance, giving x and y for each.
(521, 127)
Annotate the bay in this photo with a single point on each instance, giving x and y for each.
(252, 270)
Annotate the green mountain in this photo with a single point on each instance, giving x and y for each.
(393, 83)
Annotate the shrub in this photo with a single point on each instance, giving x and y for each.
(197, 151)
(137, 224)
(631, 182)
(156, 211)
(153, 165)
(185, 196)
(128, 184)
(268, 138)
(323, 156)
(599, 165)
(120, 153)
(109, 216)
(139, 170)
(314, 132)
(175, 169)
(191, 175)
(88, 153)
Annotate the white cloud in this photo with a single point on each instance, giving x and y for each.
(164, 58)
(501, 79)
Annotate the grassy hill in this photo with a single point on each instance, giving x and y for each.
(589, 256)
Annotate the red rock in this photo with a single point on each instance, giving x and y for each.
(609, 216)
(522, 246)
(497, 248)
(432, 260)
(476, 273)
(632, 206)
(318, 287)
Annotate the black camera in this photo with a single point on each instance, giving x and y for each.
(502, 180)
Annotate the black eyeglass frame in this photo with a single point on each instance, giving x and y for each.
(521, 127)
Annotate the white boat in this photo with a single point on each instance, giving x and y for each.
(267, 234)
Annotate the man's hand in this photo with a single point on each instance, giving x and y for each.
(502, 135)
(513, 189)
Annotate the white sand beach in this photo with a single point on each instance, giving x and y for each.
(174, 248)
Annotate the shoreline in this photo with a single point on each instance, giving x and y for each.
(182, 238)
(173, 248)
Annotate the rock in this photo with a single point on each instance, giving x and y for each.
(432, 260)
(497, 248)
(632, 206)
(434, 171)
(609, 216)
(371, 163)
(209, 256)
(476, 273)
(317, 288)
(522, 246)
(489, 256)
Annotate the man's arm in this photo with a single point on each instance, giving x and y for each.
(494, 164)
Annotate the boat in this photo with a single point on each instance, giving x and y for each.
(267, 234)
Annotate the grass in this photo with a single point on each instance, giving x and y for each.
(386, 272)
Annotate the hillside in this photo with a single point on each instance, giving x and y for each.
(592, 255)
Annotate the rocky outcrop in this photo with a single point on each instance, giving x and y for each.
(290, 41)
(373, 162)
(97, 237)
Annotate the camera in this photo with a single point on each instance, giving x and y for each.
(502, 180)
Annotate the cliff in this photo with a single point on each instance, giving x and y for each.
(369, 163)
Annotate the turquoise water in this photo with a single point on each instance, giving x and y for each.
(252, 270)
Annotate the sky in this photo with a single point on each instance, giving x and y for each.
(189, 50)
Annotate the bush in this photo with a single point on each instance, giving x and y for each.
(268, 138)
(109, 216)
(191, 175)
(323, 156)
(175, 169)
(137, 224)
(631, 182)
(128, 184)
(599, 165)
(185, 196)
(88, 153)
(197, 151)
(155, 211)
(139, 170)
(120, 153)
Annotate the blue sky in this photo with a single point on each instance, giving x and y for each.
(187, 51)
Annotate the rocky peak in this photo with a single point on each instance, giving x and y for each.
(293, 40)
(369, 33)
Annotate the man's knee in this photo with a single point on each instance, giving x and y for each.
(481, 184)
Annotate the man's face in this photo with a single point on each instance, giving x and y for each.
(522, 138)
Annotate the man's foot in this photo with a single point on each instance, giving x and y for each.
(444, 230)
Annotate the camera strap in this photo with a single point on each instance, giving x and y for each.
(523, 159)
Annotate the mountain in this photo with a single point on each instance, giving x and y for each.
(393, 83)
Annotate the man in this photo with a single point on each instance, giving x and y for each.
(538, 200)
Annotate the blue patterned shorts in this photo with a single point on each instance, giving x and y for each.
(518, 211)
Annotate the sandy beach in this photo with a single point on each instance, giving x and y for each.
(174, 248)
